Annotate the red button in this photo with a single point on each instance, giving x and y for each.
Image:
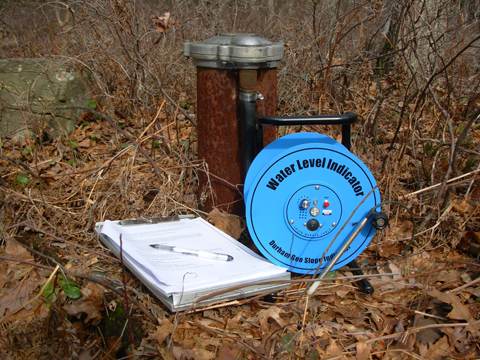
(326, 203)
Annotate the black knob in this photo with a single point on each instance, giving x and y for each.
(313, 225)
(379, 220)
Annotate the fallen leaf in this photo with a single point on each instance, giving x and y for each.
(469, 237)
(312, 354)
(114, 344)
(228, 223)
(18, 295)
(462, 207)
(55, 169)
(234, 322)
(3, 274)
(195, 354)
(319, 331)
(343, 291)
(91, 303)
(459, 311)
(332, 350)
(456, 337)
(475, 194)
(377, 317)
(229, 352)
(84, 144)
(164, 22)
(166, 353)
(17, 280)
(363, 350)
(163, 330)
(17, 251)
(272, 313)
(436, 351)
(429, 335)
(405, 348)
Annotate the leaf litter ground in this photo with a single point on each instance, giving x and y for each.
(425, 304)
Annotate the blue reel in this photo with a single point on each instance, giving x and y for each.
(300, 191)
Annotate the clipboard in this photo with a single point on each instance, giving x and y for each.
(182, 301)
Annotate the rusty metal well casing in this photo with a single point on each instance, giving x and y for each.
(219, 61)
(219, 134)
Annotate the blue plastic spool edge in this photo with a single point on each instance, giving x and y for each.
(311, 167)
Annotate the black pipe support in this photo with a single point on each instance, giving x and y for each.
(248, 106)
(363, 284)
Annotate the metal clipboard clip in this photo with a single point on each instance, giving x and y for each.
(144, 220)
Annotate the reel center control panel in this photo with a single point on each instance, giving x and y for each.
(313, 211)
(300, 191)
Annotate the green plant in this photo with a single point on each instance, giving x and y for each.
(22, 180)
(287, 342)
(332, 275)
(92, 105)
(95, 138)
(74, 144)
(183, 104)
(27, 151)
(469, 163)
(428, 147)
(155, 144)
(69, 287)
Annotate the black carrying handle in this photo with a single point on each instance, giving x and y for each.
(345, 120)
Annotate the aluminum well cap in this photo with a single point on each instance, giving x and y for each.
(236, 51)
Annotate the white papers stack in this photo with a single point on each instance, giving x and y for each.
(180, 279)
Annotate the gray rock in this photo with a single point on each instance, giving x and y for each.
(30, 89)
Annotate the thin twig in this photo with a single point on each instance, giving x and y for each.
(29, 224)
(439, 184)
(127, 306)
(421, 274)
(460, 288)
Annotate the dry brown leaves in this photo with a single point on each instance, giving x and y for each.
(164, 22)
(422, 305)
(230, 224)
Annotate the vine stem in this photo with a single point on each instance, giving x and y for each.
(127, 306)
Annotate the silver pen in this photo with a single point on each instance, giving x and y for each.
(200, 253)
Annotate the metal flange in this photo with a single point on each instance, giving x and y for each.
(235, 51)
